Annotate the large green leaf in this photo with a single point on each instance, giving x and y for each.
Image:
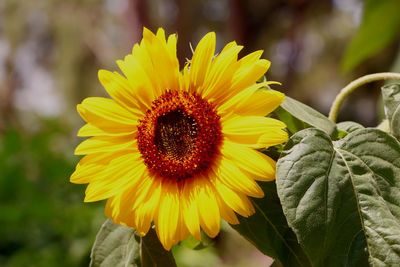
(342, 198)
(115, 245)
(267, 229)
(349, 126)
(391, 101)
(345, 127)
(293, 124)
(380, 26)
(153, 254)
(118, 246)
(307, 115)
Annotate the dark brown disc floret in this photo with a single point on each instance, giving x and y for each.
(180, 135)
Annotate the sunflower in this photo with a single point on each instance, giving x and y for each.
(178, 149)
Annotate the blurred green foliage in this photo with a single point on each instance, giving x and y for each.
(380, 27)
(44, 222)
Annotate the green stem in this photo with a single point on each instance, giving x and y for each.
(346, 91)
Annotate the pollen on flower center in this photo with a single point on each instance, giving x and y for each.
(175, 134)
(180, 135)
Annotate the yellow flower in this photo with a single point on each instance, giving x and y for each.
(178, 148)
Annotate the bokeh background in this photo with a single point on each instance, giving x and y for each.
(51, 50)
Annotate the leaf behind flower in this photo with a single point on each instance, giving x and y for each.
(342, 198)
(307, 115)
(118, 246)
(268, 230)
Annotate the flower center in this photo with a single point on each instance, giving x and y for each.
(180, 135)
(175, 134)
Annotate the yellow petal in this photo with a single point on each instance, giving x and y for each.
(121, 173)
(107, 115)
(236, 201)
(208, 208)
(160, 35)
(249, 60)
(118, 209)
(165, 67)
(201, 60)
(144, 189)
(120, 90)
(243, 96)
(261, 103)
(83, 175)
(228, 46)
(145, 212)
(182, 232)
(109, 208)
(255, 131)
(220, 75)
(101, 158)
(90, 165)
(238, 181)
(254, 162)
(251, 69)
(171, 46)
(166, 219)
(226, 212)
(106, 108)
(189, 208)
(100, 144)
(184, 79)
(138, 79)
(91, 130)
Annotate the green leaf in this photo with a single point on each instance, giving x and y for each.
(345, 210)
(346, 127)
(267, 229)
(115, 245)
(153, 254)
(349, 126)
(379, 27)
(293, 124)
(391, 101)
(308, 115)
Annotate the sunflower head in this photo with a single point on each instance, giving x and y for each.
(178, 149)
